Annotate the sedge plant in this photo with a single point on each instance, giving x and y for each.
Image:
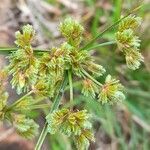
(44, 74)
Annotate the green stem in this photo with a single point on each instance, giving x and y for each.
(40, 106)
(100, 45)
(6, 50)
(70, 85)
(19, 100)
(90, 77)
(54, 107)
(88, 45)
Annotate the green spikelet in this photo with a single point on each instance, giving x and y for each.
(111, 91)
(126, 39)
(72, 31)
(23, 64)
(24, 69)
(131, 22)
(42, 88)
(95, 69)
(83, 140)
(24, 105)
(134, 59)
(68, 122)
(89, 88)
(53, 64)
(75, 122)
(25, 37)
(27, 128)
(128, 42)
(56, 119)
(3, 94)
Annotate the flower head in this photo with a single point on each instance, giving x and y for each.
(131, 22)
(134, 59)
(94, 68)
(25, 127)
(72, 31)
(128, 42)
(111, 91)
(25, 38)
(24, 68)
(126, 39)
(83, 140)
(89, 88)
(68, 122)
(3, 93)
(23, 64)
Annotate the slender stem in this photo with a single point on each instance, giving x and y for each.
(100, 45)
(90, 77)
(41, 138)
(70, 85)
(54, 107)
(39, 106)
(88, 45)
(19, 100)
(5, 50)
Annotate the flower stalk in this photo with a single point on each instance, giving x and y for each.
(70, 85)
(90, 77)
(55, 105)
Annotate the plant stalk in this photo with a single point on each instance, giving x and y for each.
(90, 77)
(70, 85)
(54, 107)
(100, 45)
(88, 45)
(6, 50)
(19, 100)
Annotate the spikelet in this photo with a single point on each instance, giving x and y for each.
(131, 22)
(25, 38)
(72, 31)
(3, 94)
(83, 140)
(134, 59)
(78, 61)
(68, 122)
(25, 127)
(89, 88)
(111, 91)
(128, 42)
(23, 64)
(126, 39)
(95, 69)
(24, 105)
(55, 120)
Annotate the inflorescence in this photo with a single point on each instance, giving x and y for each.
(41, 75)
(128, 42)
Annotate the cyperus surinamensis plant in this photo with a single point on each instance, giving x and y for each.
(45, 75)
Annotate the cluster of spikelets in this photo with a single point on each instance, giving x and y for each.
(73, 124)
(128, 42)
(16, 113)
(42, 74)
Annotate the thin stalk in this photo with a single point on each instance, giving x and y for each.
(19, 100)
(70, 85)
(6, 50)
(88, 45)
(100, 45)
(54, 107)
(90, 77)
(39, 106)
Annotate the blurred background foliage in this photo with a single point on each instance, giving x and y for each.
(125, 126)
